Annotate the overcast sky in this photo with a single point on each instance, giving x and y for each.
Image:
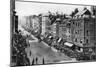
(31, 8)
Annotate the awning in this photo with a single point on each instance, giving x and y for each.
(59, 39)
(50, 36)
(68, 44)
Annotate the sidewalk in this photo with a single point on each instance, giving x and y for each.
(55, 50)
(73, 60)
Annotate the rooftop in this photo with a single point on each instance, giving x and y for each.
(87, 12)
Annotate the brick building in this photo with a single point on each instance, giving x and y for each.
(83, 28)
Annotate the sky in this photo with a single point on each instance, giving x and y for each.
(33, 8)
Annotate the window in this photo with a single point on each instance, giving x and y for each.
(76, 40)
(69, 31)
(87, 32)
(80, 41)
(78, 31)
(77, 16)
(63, 29)
(69, 35)
(86, 40)
(78, 24)
(73, 22)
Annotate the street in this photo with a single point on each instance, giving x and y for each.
(41, 50)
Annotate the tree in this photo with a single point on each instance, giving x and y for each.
(85, 8)
(74, 12)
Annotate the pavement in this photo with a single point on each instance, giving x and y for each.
(41, 50)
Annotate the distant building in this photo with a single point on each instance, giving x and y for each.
(62, 31)
(32, 24)
(68, 32)
(28, 23)
(35, 23)
(57, 23)
(54, 29)
(83, 29)
(65, 30)
(45, 23)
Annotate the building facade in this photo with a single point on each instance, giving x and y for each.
(65, 30)
(45, 23)
(83, 28)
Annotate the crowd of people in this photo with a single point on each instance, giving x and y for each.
(35, 61)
